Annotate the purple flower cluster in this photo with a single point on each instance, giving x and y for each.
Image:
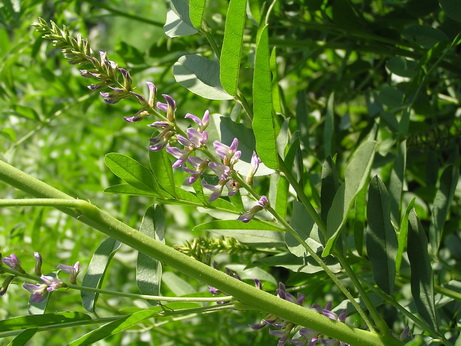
(50, 283)
(286, 330)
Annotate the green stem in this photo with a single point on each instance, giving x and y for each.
(311, 252)
(302, 196)
(36, 279)
(248, 295)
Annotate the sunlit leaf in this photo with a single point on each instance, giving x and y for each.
(263, 122)
(196, 9)
(177, 20)
(26, 322)
(232, 46)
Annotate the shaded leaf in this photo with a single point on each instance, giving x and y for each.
(330, 184)
(96, 270)
(442, 202)
(200, 76)
(263, 122)
(231, 51)
(148, 269)
(397, 180)
(422, 282)
(177, 20)
(23, 338)
(381, 239)
(452, 9)
(303, 224)
(297, 264)
(403, 236)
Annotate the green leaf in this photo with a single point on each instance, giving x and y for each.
(23, 338)
(263, 122)
(422, 282)
(330, 184)
(303, 224)
(126, 189)
(452, 9)
(27, 322)
(246, 273)
(329, 128)
(200, 76)
(162, 170)
(278, 194)
(177, 285)
(148, 269)
(177, 20)
(424, 35)
(132, 172)
(401, 66)
(297, 264)
(356, 175)
(403, 236)
(381, 239)
(397, 180)
(231, 51)
(96, 271)
(196, 9)
(115, 327)
(442, 202)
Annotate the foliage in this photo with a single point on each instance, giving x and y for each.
(352, 109)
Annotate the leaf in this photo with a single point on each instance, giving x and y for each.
(200, 76)
(196, 9)
(27, 322)
(96, 270)
(246, 273)
(278, 194)
(329, 128)
(297, 264)
(356, 175)
(397, 180)
(177, 285)
(303, 224)
(132, 172)
(126, 189)
(23, 338)
(148, 269)
(162, 170)
(231, 51)
(422, 282)
(330, 184)
(442, 202)
(381, 239)
(177, 20)
(452, 9)
(115, 327)
(403, 236)
(263, 122)
(424, 35)
(402, 66)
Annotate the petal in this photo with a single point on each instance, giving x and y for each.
(194, 118)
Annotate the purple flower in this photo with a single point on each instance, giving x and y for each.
(38, 263)
(169, 107)
(255, 161)
(138, 116)
(203, 123)
(330, 314)
(216, 189)
(248, 215)
(152, 94)
(71, 270)
(13, 262)
(198, 165)
(126, 78)
(39, 292)
(213, 290)
(222, 171)
(181, 156)
(52, 283)
(229, 154)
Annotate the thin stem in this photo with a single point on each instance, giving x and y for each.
(302, 196)
(247, 294)
(311, 252)
(36, 279)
